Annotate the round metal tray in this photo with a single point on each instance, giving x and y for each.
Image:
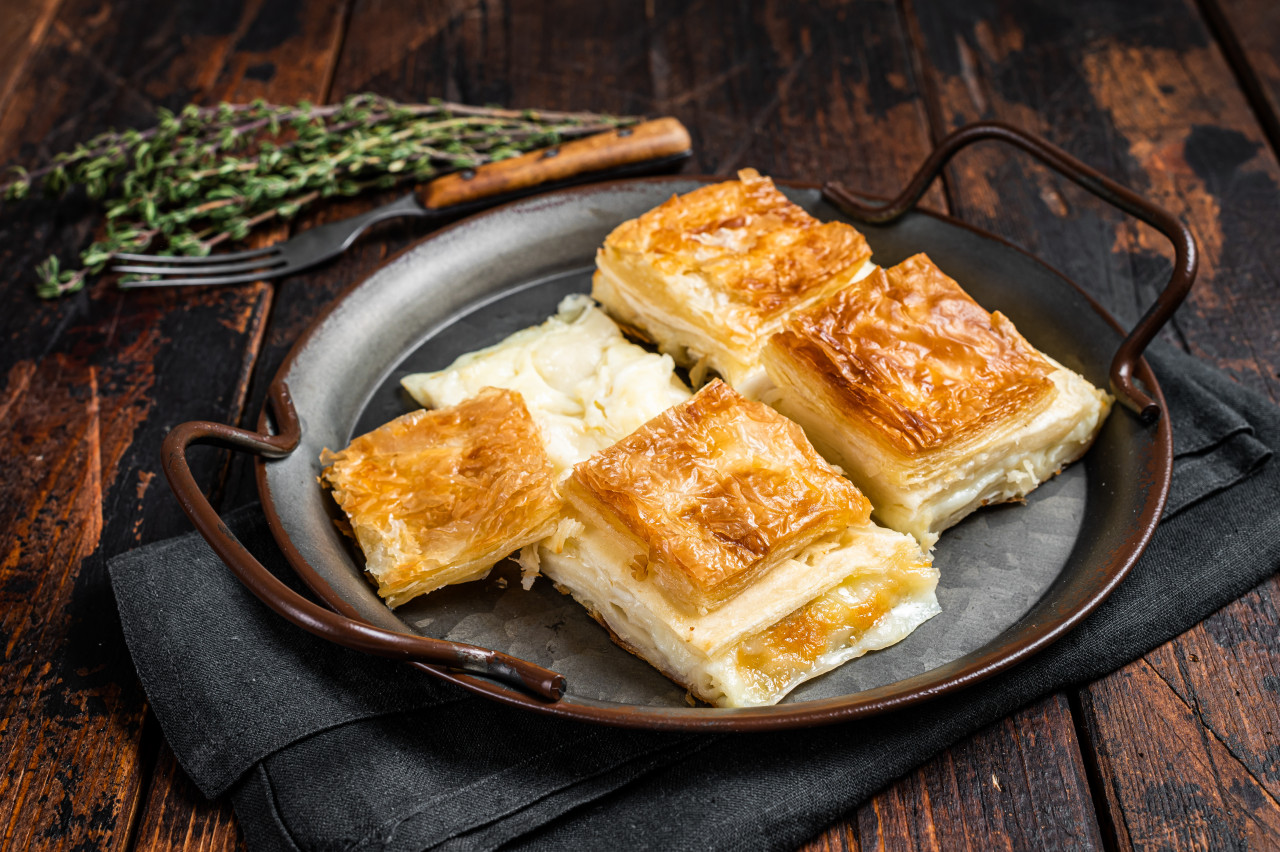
(1013, 577)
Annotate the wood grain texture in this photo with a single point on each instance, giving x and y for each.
(25, 24)
(1170, 782)
(67, 741)
(843, 90)
(648, 140)
(1249, 33)
(857, 117)
(282, 52)
(859, 126)
(1140, 91)
(141, 362)
(1019, 784)
(1227, 671)
(177, 816)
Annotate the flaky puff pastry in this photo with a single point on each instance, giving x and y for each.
(930, 404)
(717, 545)
(438, 497)
(709, 275)
(715, 491)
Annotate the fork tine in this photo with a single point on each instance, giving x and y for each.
(184, 259)
(211, 269)
(201, 282)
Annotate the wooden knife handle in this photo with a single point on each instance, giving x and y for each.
(650, 140)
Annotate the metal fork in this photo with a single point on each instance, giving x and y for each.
(644, 148)
(313, 246)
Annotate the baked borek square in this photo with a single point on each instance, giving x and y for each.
(714, 492)
(438, 497)
(709, 275)
(716, 544)
(931, 405)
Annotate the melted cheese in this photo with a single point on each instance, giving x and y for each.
(584, 383)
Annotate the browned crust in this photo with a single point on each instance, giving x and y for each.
(907, 351)
(747, 241)
(716, 489)
(464, 482)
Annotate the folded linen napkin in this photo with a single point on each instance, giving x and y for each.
(323, 747)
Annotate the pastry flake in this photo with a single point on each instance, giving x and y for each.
(438, 497)
(714, 492)
(710, 274)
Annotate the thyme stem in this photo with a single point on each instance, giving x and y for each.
(210, 175)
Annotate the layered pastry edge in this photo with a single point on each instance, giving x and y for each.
(709, 275)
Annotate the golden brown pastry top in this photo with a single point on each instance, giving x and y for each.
(908, 351)
(717, 488)
(448, 485)
(747, 241)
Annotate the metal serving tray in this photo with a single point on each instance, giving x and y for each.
(1013, 578)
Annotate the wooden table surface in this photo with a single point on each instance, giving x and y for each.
(1175, 98)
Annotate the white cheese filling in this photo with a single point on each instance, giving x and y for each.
(585, 385)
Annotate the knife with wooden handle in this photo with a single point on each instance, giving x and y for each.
(639, 143)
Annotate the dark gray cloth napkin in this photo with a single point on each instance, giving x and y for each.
(325, 748)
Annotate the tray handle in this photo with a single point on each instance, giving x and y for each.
(1184, 244)
(311, 617)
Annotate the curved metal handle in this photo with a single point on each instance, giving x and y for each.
(311, 617)
(1184, 244)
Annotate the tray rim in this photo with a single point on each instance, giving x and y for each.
(778, 716)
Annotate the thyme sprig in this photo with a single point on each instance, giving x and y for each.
(205, 176)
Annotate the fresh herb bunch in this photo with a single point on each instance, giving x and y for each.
(209, 175)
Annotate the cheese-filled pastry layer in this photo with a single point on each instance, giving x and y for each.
(584, 383)
(439, 497)
(931, 405)
(709, 275)
(659, 524)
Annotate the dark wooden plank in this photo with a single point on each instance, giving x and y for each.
(1019, 784)
(1171, 783)
(1142, 91)
(177, 816)
(282, 53)
(146, 361)
(1248, 31)
(26, 22)
(68, 738)
(1227, 669)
